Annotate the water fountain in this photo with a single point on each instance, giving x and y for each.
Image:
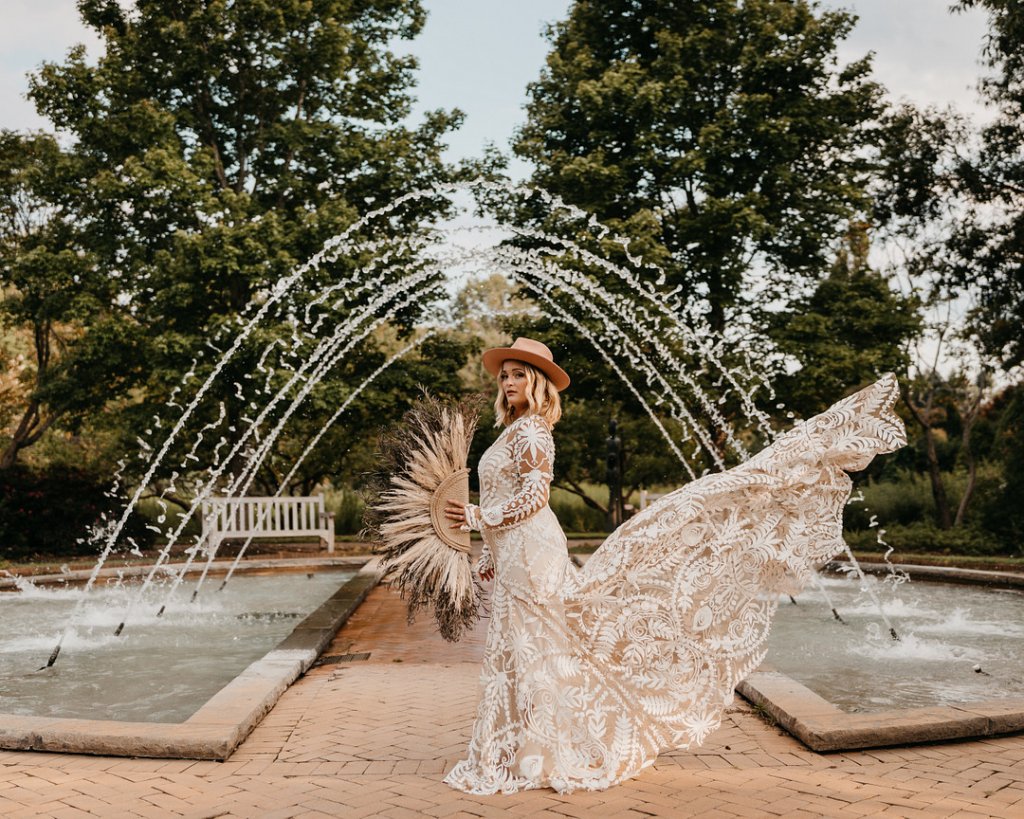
(170, 667)
(948, 631)
(653, 341)
(533, 268)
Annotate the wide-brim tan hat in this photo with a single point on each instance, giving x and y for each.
(530, 352)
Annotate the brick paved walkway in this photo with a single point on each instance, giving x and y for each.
(373, 738)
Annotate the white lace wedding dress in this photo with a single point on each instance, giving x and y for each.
(589, 673)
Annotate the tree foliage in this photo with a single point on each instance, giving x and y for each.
(80, 350)
(212, 148)
(852, 328)
(724, 137)
(215, 146)
(728, 142)
(986, 250)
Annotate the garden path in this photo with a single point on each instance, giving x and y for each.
(374, 736)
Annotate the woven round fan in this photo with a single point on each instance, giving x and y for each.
(422, 465)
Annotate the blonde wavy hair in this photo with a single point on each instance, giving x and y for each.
(541, 396)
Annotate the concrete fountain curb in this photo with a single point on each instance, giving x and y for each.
(821, 726)
(217, 568)
(227, 718)
(939, 574)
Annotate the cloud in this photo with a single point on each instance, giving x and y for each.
(922, 52)
(480, 55)
(34, 32)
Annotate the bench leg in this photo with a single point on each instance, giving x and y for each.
(330, 532)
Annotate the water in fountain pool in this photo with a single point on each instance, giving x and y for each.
(946, 631)
(163, 669)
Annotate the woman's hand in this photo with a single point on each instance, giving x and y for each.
(456, 511)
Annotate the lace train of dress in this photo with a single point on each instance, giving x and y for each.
(589, 673)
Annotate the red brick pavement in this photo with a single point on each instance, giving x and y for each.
(374, 738)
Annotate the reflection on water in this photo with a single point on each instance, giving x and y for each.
(161, 669)
(958, 644)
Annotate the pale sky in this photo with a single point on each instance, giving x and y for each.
(478, 55)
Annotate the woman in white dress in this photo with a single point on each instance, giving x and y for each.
(589, 673)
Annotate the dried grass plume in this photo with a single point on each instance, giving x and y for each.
(422, 462)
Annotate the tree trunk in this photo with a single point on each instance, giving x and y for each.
(578, 490)
(961, 510)
(30, 429)
(923, 416)
(9, 456)
(943, 515)
(32, 425)
(972, 467)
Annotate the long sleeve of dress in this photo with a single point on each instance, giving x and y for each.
(533, 453)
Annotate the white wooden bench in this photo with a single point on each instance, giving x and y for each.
(647, 498)
(267, 517)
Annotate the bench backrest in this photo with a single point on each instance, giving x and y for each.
(260, 516)
(647, 498)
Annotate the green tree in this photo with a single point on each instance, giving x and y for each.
(81, 350)
(941, 406)
(852, 328)
(988, 247)
(726, 140)
(930, 200)
(1006, 511)
(346, 452)
(722, 136)
(213, 147)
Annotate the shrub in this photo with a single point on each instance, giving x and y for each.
(347, 506)
(49, 512)
(150, 511)
(926, 538)
(906, 500)
(574, 515)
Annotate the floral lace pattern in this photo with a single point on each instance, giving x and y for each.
(528, 453)
(589, 674)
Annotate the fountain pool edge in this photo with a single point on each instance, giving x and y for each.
(224, 721)
(941, 574)
(823, 727)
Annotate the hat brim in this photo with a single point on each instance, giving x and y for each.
(495, 357)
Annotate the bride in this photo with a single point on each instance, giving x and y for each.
(589, 673)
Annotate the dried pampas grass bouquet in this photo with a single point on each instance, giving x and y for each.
(422, 463)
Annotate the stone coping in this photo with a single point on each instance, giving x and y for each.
(821, 726)
(227, 718)
(944, 574)
(218, 567)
